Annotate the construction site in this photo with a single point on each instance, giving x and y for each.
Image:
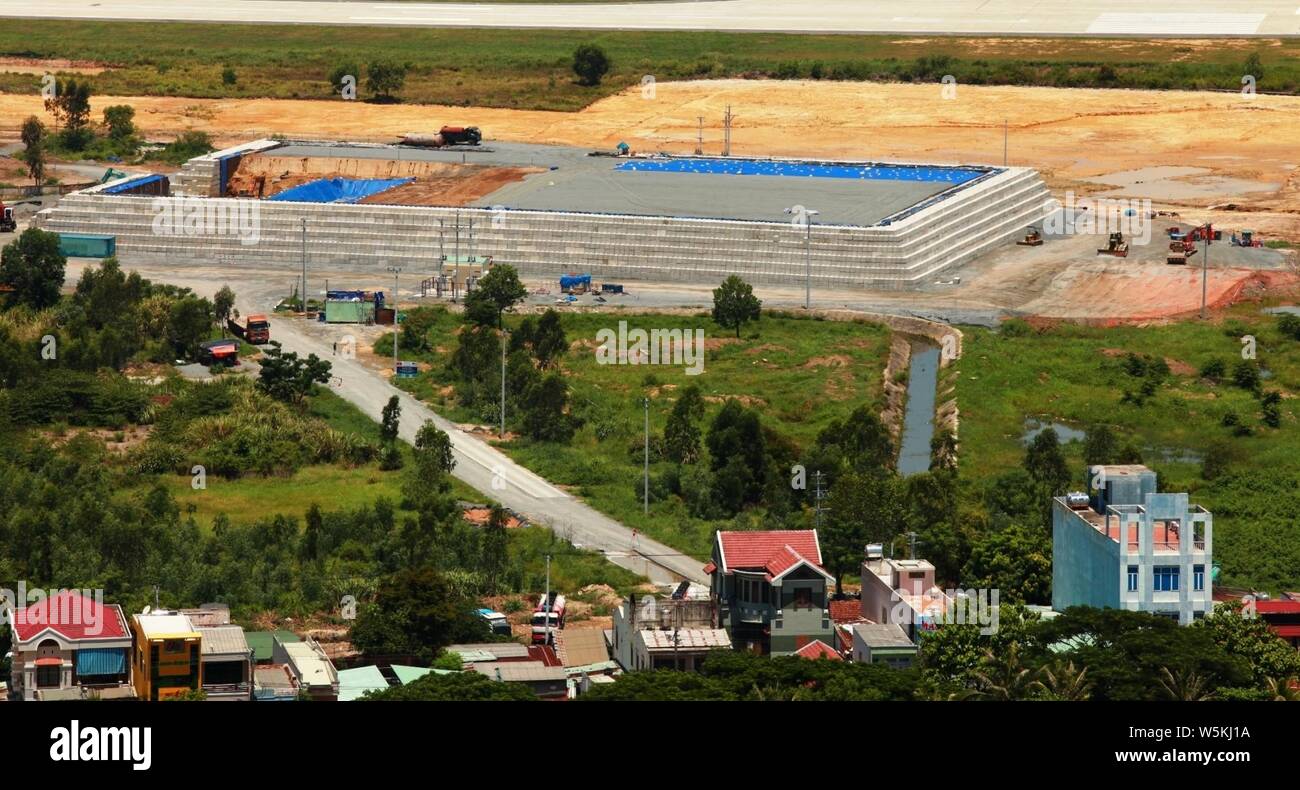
(548, 210)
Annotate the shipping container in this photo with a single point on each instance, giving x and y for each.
(87, 245)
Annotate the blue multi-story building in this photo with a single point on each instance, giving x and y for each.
(1128, 547)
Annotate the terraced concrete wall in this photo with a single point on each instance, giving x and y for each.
(907, 253)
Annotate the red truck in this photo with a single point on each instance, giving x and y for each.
(255, 329)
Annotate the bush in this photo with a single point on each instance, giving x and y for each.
(590, 63)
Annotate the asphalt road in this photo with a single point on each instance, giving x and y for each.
(1199, 18)
(489, 470)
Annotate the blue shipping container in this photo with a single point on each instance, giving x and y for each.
(87, 245)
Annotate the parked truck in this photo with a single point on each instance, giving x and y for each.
(8, 224)
(255, 329)
(548, 618)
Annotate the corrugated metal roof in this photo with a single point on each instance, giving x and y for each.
(354, 683)
(223, 640)
(521, 671)
(499, 649)
(687, 638)
(155, 626)
(313, 668)
(408, 674)
(261, 642)
(581, 646)
(882, 635)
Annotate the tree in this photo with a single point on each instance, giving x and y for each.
(416, 612)
(738, 456)
(70, 104)
(287, 378)
(228, 76)
(1065, 682)
(120, 120)
(189, 324)
(1250, 638)
(496, 292)
(545, 406)
(1046, 463)
(223, 305)
(106, 293)
(734, 304)
(682, 432)
(456, 687)
(434, 443)
(1254, 67)
(864, 507)
(1099, 445)
(495, 548)
(33, 137)
(1245, 374)
(549, 341)
(385, 78)
(416, 327)
(590, 63)
(340, 74)
(1016, 560)
(34, 267)
(392, 417)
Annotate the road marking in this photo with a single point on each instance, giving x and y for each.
(1152, 24)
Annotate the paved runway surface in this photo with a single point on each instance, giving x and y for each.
(974, 17)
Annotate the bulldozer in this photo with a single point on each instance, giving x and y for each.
(1116, 246)
(1033, 237)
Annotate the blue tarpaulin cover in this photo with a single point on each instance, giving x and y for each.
(749, 167)
(101, 661)
(134, 183)
(339, 190)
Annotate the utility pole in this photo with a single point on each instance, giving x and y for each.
(304, 265)
(1205, 274)
(396, 270)
(819, 494)
(646, 508)
(503, 385)
(699, 140)
(726, 128)
(1004, 142)
(547, 607)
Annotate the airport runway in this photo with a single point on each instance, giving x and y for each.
(1158, 18)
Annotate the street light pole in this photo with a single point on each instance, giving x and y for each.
(304, 265)
(503, 384)
(396, 270)
(806, 215)
(1205, 274)
(646, 508)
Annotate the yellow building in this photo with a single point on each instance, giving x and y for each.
(168, 656)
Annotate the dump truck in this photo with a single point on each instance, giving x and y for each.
(255, 329)
(548, 618)
(447, 135)
(1033, 237)
(8, 224)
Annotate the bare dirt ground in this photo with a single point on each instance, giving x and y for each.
(50, 66)
(1219, 157)
(436, 183)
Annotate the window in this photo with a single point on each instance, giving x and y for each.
(1198, 577)
(1132, 578)
(48, 676)
(802, 598)
(1166, 578)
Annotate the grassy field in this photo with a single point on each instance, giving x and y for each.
(1074, 375)
(799, 375)
(509, 68)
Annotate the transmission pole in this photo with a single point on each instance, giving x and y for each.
(699, 140)
(646, 508)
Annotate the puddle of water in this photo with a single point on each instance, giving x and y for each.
(1293, 310)
(1064, 432)
(918, 419)
(1174, 455)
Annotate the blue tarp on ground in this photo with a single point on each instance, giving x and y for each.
(339, 190)
(750, 167)
(138, 183)
(101, 661)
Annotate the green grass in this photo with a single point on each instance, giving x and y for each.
(1065, 374)
(532, 69)
(799, 374)
(571, 569)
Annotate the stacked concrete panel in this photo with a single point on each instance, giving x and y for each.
(907, 252)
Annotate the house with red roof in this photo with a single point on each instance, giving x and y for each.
(771, 590)
(71, 646)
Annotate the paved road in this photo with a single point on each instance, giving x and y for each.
(973, 17)
(489, 470)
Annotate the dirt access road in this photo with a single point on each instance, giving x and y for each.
(478, 464)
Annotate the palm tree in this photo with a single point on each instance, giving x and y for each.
(775, 693)
(1284, 690)
(1066, 683)
(1005, 677)
(1184, 685)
